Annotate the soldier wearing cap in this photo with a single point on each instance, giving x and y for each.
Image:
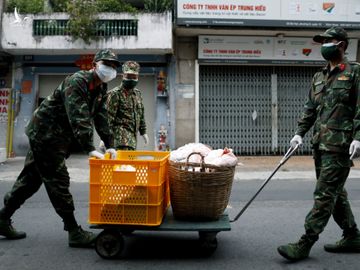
(126, 109)
(333, 110)
(63, 117)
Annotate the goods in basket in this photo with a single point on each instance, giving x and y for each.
(181, 154)
(221, 157)
(218, 157)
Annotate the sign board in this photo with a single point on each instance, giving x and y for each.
(274, 13)
(4, 105)
(265, 49)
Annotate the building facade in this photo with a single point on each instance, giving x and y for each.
(244, 69)
(43, 54)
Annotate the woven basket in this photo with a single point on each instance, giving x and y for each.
(199, 195)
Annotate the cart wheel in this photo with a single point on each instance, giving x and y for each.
(109, 244)
(208, 243)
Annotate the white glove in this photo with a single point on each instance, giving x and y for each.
(96, 154)
(296, 140)
(354, 149)
(112, 152)
(102, 147)
(146, 139)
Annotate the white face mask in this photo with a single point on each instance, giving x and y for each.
(105, 73)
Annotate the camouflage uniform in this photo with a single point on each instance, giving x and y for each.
(126, 112)
(66, 115)
(333, 108)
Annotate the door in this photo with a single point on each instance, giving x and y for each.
(246, 108)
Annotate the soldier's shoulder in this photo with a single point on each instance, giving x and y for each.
(355, 66)
(318, 74)
(114, 90)
(79, 76)
(137, 90)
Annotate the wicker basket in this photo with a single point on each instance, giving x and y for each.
(201, 194)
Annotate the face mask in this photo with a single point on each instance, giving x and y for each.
(130, 84)
(330, 51)
(105, 73)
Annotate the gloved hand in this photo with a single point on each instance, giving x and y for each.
(354, 149)
(146, 139)
(296, 140)
(96, 154)
(102, 147)
(112, 152)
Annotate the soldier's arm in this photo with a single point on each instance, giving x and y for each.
(308, 115)
(356, 120)
(101, 124)
(142, 126)
(112, 102)
(78, 111)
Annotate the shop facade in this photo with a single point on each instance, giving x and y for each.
(252, 66)
(41, 61)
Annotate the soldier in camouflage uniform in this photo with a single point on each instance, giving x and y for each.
(126, 109)
(66, 115)
(333, 109)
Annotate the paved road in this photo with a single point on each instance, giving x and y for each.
(275, 217)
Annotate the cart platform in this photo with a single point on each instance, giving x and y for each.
(169, 223)
(110, 242)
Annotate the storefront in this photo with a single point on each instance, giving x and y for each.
(253, 67)
(39, 75)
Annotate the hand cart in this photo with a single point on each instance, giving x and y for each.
(111, 242)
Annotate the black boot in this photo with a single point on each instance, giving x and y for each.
(349, 243)
(7, 230)
(80, 238)
(297, 251)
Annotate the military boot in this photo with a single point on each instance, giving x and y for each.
(349, 243)
(297, 251)
(80, 238)
(7, 230)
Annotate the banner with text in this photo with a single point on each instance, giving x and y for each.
(265, 13)
(4, 105)
(266, 49)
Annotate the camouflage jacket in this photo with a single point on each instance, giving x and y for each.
(333, 108)
(126, 115)
(69, 113)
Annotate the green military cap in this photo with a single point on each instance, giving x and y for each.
(333, 32)
(106, 55)
(131, 67)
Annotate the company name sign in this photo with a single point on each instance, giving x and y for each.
(265, 13)
(268, 49)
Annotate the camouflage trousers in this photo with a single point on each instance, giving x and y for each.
(330, 196)
(43, 164)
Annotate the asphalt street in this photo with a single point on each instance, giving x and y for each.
(274, 218)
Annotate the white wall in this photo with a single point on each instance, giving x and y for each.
(154, 34)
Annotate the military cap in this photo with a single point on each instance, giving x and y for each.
(107, 55)
(333, 32)
(131, 67)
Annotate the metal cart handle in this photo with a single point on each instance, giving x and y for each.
(282, 162)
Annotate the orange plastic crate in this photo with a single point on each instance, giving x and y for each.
(139, 196)
(131, 214)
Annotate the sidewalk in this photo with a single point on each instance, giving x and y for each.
(252, 168)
